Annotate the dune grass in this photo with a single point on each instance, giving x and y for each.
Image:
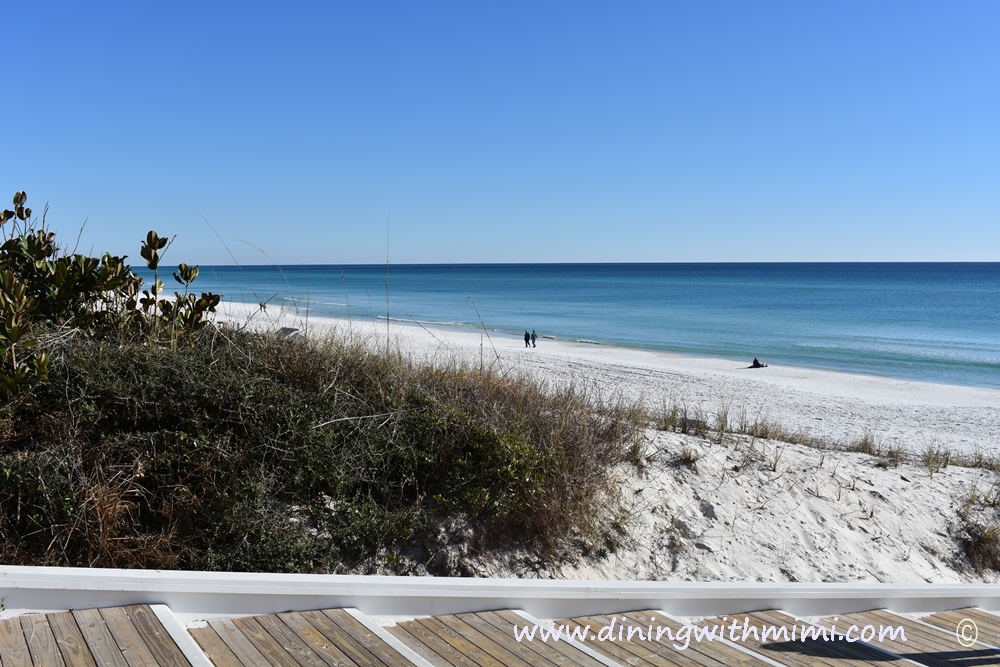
(978, 517)
(679, 417)
(134, 434)
(980, 528)
(247, 451)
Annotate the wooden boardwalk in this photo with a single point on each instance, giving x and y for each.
(934, 641)
(116, 636)
(135, 637)
(327, 638)
(930, 641)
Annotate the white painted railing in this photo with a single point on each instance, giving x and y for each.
(193, 595)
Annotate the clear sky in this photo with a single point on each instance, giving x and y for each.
(510, 131)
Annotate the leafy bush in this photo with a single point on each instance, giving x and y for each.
(246, 451)
(142, 437)
(41, 286)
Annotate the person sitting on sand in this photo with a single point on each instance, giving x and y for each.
(527, 338)
(757, 364)
(534, 338)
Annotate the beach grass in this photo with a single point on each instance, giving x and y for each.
(677, 416)
(688, 456)
(977, 525)
(249, 451)
(980, 527)
(136, 432)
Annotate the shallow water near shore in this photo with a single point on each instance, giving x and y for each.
(932, 322)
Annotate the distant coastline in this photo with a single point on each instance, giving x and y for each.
(836, 406)
(929, 322)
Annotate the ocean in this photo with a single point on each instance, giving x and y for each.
(933, 322)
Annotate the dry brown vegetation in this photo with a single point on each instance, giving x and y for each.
(681, 418)
(248, 451)
(978, 519)
(132, 434)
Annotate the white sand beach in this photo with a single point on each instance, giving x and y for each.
(748, 510)
(839, 407)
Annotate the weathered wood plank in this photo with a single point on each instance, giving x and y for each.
(13, 647)
(811, 652)
(531, 651)
(129, 641)
(41, 643)
(505, 620)
(987, 624)
(291, 642)
(444, 654)
(95, 633)
(326, 649)
(155, 636)
(714, 652)
(509, 657)
(375, 644)
(213, 646)
(433, 627)
(929, 646)
(242, 647)
(628, 652)
(69, 639)
(918, 638)
(266, 644)
(342, 640)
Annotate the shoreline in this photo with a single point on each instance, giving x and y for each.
(834, 406)
(737, 508)
(891, 321)
(458, 328)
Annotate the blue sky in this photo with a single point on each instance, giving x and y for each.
(510, 131)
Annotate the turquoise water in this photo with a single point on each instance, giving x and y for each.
(935, 322)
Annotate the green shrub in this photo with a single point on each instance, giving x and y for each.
(142, 437)
(245, 451)
(42, 286)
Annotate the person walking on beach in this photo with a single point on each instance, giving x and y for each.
(533, 338)
(527, 338)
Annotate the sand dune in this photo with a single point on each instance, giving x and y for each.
(836, 406)
(746, 509)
